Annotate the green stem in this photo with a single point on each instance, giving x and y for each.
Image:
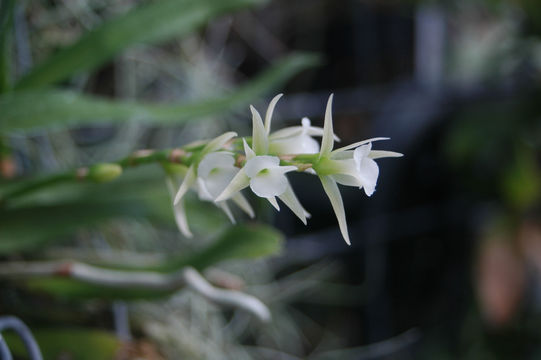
(183, 156)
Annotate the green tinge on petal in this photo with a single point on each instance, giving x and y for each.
(189, 180)
(218, 142)
(260, 141)
(179, 211)
(242, 203)
(273, 202)
(248, 150)
(359, 143)
(331, 189)
(225, 208)
(328, 134)
(378, 154)
(239, 182)
(270, 110)
(290, 199)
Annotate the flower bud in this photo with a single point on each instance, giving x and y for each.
(104, 172)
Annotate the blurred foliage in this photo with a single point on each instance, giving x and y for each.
(78, 343)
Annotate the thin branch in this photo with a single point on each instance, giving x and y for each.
(187, 276)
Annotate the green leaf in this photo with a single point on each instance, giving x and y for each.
(27, 110)
(80, 344)
(154, 22)
(238, 242)
(6, 24)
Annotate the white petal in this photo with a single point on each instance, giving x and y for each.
(202, 191)
(348, 180)
(274, 203)
(241, 202)
(357, 144)
(270, 110)
(179, 211)
(219, 179)
(215, 160)
(287, 132)
(378, 154)
(189, 180)
(239, 182)
(330, 187)
(270, 183)
(218, 142)
(260, 141)
(225, 208)
(362, 152)
(302, 144)
(368, 175)
(248, 150)
(328, 134)
(290, 199)
(258, 163)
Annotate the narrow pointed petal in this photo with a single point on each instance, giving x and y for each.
(357, 144)
(378, 154)
(290, 199)
(218, 142)
(245, 206)
(287, 132)
(330, 187)
(189, 180)
(274, 203)
(181, 220)
(248, 150)
(270, 110)
(239, 182)
(179, 211)
(225, 208)
(260, 141)
(328, 133)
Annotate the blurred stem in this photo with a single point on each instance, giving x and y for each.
(185, 277)
(6, 27)
(104, 172)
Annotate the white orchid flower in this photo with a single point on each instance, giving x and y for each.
(347, 167)
(267, 179)
(290, 140)
(215, 172)
(191, 175)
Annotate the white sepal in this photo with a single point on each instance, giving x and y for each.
(242, 203)
(189, 180)
(248, 150)
(239, 182)
(260, 141)
(328, 134)
(270, 110)
(179, 211)
(332, 191)
(290, 199)
(218, 142)
(274, 203)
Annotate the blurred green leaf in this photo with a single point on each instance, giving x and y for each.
(6, 24)
(237, 242)
(521, 183)
(76, 344)
(154, 22)
(23, 111)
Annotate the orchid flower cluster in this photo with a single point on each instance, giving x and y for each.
(226, 165)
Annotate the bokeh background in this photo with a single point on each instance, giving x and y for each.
(446, 255)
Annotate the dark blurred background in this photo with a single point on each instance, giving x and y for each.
(446, 255)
